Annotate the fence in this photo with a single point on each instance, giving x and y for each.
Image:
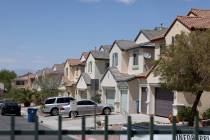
(129, 132)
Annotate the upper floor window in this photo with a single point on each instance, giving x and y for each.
(90, 67)
(115, 59)
(135, 59)
(67, 71)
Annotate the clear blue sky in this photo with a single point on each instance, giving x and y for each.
(39, 33)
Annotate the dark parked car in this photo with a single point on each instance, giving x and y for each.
(10, 107)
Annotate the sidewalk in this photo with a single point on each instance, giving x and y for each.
(75, 124)
(115, 122)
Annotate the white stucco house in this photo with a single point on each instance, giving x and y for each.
(128, 60)
(96, 64)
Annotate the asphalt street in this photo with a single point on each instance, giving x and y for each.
(22, 124)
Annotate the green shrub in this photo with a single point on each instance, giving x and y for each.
(97, 98)
(185, 114)
(27, 97)
(206, 114)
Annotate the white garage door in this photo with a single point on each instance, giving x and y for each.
(110, 96)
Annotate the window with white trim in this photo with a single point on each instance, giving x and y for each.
(90, 65)
(114, 59)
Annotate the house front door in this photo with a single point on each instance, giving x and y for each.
(124, 101)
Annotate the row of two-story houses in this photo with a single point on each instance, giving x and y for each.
(125, 70)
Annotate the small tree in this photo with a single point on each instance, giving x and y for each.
(51, 82)
(6, 77)
(185, 65)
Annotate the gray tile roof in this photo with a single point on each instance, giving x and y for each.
(120, 76)
(106, 47)
(155, 33)
(86, 78)
(100, 55)
(143, 45)
(126, 44)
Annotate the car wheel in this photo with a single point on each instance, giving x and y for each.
(54, 112)
(73, 114)
(107, 111)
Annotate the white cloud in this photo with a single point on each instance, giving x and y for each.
(127, 2)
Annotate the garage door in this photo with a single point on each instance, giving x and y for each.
(110, 96)
(143, 100)
(123, 101)
(163, 102)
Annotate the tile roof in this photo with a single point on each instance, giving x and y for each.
(59, 67)
(86, 78)
(25, 76)
(142, 45)
(85, 54)
(106, 47)
(154, 34)
(200, 12)
(75, 62)
(126, 44)
(194, 22)
(119, 77)
(100, 55)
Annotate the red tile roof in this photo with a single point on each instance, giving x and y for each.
(75, 62)
(200, 13)
(194, 22)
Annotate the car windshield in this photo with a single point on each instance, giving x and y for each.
(11, 104)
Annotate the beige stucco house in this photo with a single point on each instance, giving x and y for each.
(24, 82)
(129, 60)
(96, 64)
(72, 70)
(158, 101)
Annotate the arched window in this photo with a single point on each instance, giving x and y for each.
(135, 59)
(115, 60)
(90, 67)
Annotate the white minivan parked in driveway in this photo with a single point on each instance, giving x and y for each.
(85, 107)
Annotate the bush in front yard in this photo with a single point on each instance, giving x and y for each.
(97, 98)
(206, 114)
(184, 114)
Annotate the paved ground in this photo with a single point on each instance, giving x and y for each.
(22, 124)
(115, 122)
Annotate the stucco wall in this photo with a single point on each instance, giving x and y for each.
(81, 84)
(115, 49)
(187, 99)
(122, 59)
(108, 80)
(100, 68)
(91, 59)
(138, 68)
(176, 29)
(142, 39)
